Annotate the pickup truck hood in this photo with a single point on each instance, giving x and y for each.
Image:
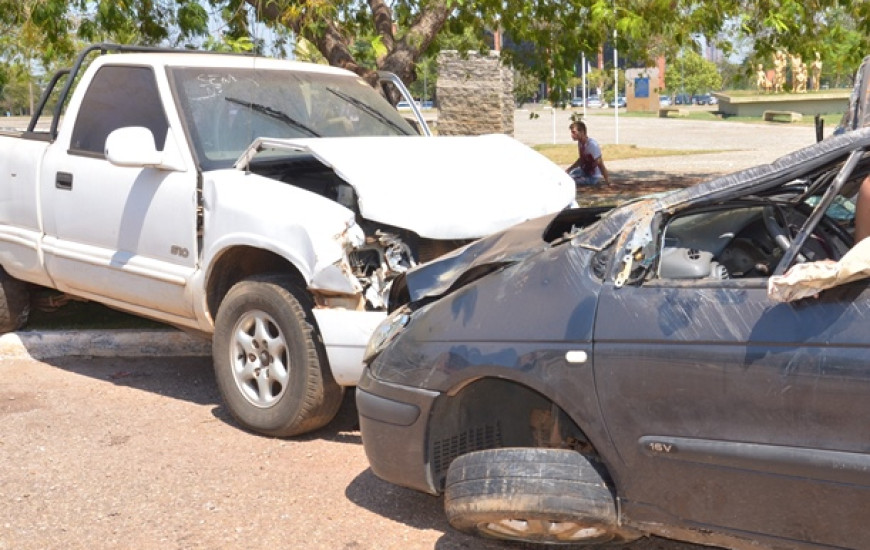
(439, 187)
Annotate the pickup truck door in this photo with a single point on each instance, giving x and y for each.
(122, 235)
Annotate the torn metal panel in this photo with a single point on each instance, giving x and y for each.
(490, 253)
(858, 114)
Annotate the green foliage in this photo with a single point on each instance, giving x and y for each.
(543, 38)
(525, 86)
(4, 78)
(229, 44)
(427, 74)
(692, 74)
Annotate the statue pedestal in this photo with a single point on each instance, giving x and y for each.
(809, 104)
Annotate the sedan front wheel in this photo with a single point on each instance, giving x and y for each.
(548, 496)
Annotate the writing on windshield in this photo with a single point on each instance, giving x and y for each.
(226, 110)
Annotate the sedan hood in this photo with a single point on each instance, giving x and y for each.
(464, 265)
(439, 187)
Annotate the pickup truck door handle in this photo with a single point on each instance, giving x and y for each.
(63, 180)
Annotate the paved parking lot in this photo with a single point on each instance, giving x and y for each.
(734, 145)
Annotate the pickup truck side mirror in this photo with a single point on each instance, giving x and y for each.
(134, 146)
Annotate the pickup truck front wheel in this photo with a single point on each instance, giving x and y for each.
(269, 362)
(14, 303)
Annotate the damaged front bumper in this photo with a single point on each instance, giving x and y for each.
(393, 424)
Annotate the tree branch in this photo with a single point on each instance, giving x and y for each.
(382, 16)
(330, 41)
(402, 58)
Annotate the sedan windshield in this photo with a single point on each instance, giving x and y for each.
(226, 109)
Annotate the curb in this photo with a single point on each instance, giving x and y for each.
(102, 343)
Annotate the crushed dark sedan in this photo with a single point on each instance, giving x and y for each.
(598, 376)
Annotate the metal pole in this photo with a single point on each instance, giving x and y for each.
(615, 86)
(584, 85)
(553, 111)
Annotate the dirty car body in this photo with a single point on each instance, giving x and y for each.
(643, 343)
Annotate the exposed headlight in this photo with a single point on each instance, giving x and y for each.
(386, 332)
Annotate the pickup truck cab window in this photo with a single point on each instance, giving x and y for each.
(118, 97)
(226, 109)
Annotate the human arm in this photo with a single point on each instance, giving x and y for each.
(573, 166)
(603, 169)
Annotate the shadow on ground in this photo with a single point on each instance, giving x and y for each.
(627, 186)
(425, 512)
(192, 379)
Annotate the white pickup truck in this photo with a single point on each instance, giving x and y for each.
(264, 204)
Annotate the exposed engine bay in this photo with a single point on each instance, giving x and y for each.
(387, 252)
(744, 241)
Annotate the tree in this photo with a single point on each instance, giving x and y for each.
(545, 37)
(692, 74)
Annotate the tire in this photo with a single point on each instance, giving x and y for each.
(270, 365)
(14, 303)
(549, 496)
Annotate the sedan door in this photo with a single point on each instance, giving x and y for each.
(735, 412)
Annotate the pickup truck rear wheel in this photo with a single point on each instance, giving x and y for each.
(549, 496)
(270, 365)
(14, 302)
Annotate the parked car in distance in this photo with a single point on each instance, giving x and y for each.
(704, 99)
(621, 102)
(682, 99)
(664, 101)
(597, 376)
(595, 102)
(592, 101)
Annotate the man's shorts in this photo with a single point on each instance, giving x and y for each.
(582, 179)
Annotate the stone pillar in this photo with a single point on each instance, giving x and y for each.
(475, 95)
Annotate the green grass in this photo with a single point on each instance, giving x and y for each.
(565, 154)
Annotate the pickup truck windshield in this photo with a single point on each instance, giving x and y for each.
(226, 109)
